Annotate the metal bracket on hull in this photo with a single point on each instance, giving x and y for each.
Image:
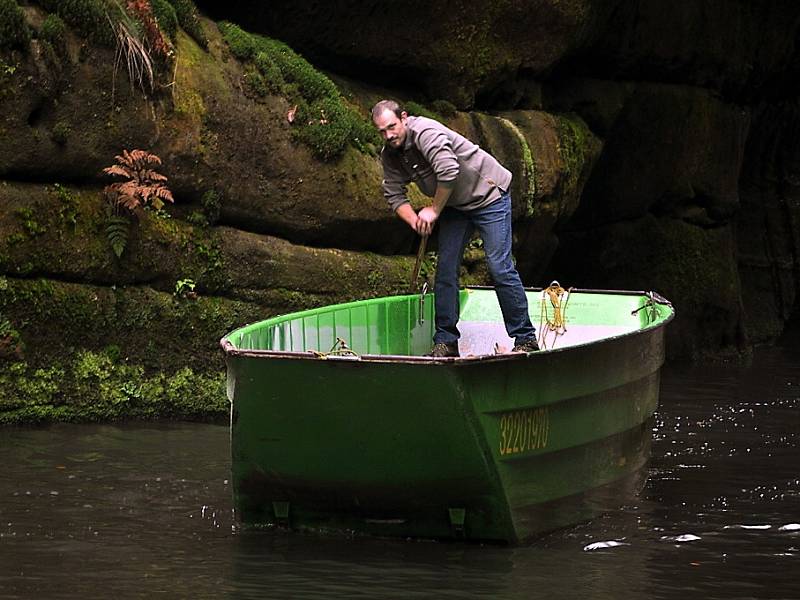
(281, 510)
(421, 314)
(457, 518)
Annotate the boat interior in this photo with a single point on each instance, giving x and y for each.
(403, 325)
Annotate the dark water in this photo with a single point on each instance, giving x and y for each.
(103, 511)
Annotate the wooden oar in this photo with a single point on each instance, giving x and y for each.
(415, 274)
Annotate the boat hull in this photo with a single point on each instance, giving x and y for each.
(498, 449)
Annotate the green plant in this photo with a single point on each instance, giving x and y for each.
(14, 31)
(211, 201)
(54, 31)
(29, 222)
(143, 188)
(189, 21)
(327, 128)
(91, 18)
(416, 109)
(271, 72)
(166, 17)
(242, 45)
(117, 232)
(151, 34)
(184, 288)
(60, 133)
(197, 218)
(68, 212)
(10, 341)
(256, 82)
(137, 57)
(6, 69)
(444, 108)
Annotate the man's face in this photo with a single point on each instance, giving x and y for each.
(392, 128)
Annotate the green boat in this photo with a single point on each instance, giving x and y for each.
(340, 423)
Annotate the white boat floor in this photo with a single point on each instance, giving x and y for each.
(478, 338)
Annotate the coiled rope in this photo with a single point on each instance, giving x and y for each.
(339, 349)
(556, 323)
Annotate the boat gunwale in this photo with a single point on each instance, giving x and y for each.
(231, 350)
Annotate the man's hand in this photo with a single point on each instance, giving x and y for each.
(426, 219)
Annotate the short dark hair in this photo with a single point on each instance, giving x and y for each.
(387, 105)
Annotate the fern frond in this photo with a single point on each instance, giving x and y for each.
(117, 233)
(118, 170)
(152, 175)
(165, 194)
(129, 202)
(143, 186)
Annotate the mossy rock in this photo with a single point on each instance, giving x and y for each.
(452, 51)
(672, 150)
(158, 330)
(100, 386)
(691, 266)
(324, 120)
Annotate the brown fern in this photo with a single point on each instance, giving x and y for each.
(144, 186)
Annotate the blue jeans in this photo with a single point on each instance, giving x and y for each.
(493, 223)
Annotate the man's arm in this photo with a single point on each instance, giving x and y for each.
(437, 149)
(428, 215)
(405, 212)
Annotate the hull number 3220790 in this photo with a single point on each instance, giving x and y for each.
(523, 430)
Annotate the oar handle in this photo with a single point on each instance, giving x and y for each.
(423, 242)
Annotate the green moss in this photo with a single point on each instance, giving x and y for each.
(11, 346)
(55, 33)
(188, 19)
(166, 17)
(211, 201)
(416, 109)
(573, 137)
(242, 45)
(197, 218)
(271, 72)
(14, 31)
(88, 17)
(324, 121)
(528, 164)
(68, 207)
(256, 82)
(30, 222)
(327, 127)
(444, 108)
(152, 328)
(60, 133)
(97, 386)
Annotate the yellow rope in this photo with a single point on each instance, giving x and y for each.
(339, 348)
(557, 323)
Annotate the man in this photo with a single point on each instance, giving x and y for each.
(470, 190)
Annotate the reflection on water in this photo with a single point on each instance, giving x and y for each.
(91, 511)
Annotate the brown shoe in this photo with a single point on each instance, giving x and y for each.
(442, 350)
(529, 345)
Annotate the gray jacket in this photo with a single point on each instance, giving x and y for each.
(434, 153)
